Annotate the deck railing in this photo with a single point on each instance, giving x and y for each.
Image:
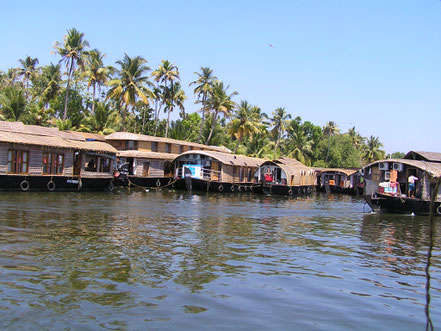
(206, 174)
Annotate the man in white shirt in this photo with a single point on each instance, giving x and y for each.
(411, 186)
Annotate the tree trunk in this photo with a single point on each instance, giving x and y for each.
(124, 119)
(168, 122)
(237, 144)
(93, 99)
(204, 98)
(327, 152)
(66, 99)
(212, 127)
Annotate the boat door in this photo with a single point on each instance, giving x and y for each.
(77, 163)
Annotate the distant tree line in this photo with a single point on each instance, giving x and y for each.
(81, 93)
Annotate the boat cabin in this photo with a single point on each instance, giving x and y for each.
(148, 161)
(286, 176)
(348, 181)
(391, 176)
(35, 157)
(232, 171)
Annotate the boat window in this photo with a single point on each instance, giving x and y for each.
(53, 164)
(154, 146)
(18, 162)
(131, 145)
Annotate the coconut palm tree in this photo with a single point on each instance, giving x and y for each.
(371, 151)
(49, 83)
(12, 102)
(174, 96)
(96, 72)
(245, 123)
(131, 84)
(279, 122)
(298, 145)
(204, 85)
(330, 129)
(219, 102)
(72, 52)
(27, 71)
(166, 73)
(357, 140)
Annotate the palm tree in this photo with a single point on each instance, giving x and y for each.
(219, 102)
(96, 72)
(204, 85)
(166, 72)
(245, 123)
(299, 145)
(12, 102)
(329, 130)
(27, 71)
(260, 146)
(279, 123)
(49, 83)
(131, 84)
(371, 151)
(72, 53)
(357, 140)
(174, 96)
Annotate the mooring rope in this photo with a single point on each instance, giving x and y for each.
(151, 187)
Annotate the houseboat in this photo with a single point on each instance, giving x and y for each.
(404, 185)
(147, 161)
(215, 171)
(39, 158)
(334, 180)
(286, 176)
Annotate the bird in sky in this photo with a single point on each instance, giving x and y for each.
(271, 46)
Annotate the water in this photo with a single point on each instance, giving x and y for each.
(165, 260)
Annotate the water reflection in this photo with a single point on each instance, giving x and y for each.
(149, 259)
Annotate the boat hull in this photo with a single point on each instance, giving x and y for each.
(394, 204)
(145, 182)
(276, 189)
(54, 183)
(196, 184)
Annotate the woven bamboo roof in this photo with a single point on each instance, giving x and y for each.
(142, 137)
(290, 166)
(147, 155)
(425, 156)
(19, 133)
(347, 172)
(228, 159)
(432, 168)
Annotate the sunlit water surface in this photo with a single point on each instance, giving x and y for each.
(174, 260)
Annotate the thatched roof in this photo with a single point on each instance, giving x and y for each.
(424, 156)
(432, 168)
(142, 137)
(19, 133)
(290, 166)
(228, 159)
(147, 155)
(89, 136)
(347, 172)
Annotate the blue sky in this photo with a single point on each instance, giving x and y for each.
(374, 64)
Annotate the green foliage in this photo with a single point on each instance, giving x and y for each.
(12, 103)
(341, 153)
(122, 99)
(396, 155)
(75, 110)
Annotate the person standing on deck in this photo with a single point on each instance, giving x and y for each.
(411, 186)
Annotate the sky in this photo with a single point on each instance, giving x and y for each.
(372, 64)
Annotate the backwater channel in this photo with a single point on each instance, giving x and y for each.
(164, 260)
